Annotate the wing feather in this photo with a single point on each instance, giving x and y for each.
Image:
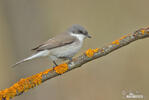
(57, 41)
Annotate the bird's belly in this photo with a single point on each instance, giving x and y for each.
(66, 51)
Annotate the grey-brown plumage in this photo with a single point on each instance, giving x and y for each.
(62, 46)
(57, 41)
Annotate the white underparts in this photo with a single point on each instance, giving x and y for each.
(78, 36)
(68, 50)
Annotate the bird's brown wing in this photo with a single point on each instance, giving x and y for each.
(57, 41)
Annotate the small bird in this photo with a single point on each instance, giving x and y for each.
(63, 46)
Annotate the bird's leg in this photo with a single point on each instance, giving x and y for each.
(55, 63)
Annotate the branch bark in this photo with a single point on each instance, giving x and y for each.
(91, 54)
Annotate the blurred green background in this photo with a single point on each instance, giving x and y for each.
(26, 23)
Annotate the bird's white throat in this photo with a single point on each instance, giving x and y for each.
(78, 36)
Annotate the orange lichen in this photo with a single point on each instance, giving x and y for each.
(47, 71)
(116, 42)
(90, 52)
(96, 50)
(142, 31)
(23, 85)
(60, 69)
(123, 37)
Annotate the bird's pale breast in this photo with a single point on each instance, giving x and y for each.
(66, 51)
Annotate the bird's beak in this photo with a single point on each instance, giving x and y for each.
(89, 36)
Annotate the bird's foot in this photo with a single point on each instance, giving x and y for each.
(55, 64)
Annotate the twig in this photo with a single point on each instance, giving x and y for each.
(91, 54)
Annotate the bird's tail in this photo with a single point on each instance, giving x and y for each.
(37, 55)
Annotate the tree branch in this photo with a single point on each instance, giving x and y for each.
(91, 54)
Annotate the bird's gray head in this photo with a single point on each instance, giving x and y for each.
(78, 29)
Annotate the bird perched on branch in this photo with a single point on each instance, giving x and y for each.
(62, 46)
